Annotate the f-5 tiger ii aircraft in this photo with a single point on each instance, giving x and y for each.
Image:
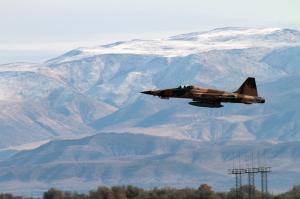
(212, 98)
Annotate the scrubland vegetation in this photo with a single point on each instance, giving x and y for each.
(131, 192)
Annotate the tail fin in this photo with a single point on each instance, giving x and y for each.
(248, 87)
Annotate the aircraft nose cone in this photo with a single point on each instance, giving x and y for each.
(147, 92)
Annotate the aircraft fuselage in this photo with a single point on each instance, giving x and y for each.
(206, 97)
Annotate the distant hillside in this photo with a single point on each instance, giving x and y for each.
(119, 159)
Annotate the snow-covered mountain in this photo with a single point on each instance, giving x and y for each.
(193, 43)
(92, 89)
(97, 89)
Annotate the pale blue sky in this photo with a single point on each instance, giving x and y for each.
(50, 27)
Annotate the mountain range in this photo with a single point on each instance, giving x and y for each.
(87, 92)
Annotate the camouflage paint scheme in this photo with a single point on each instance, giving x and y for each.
(212, 98)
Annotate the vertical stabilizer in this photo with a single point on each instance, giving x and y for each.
(248, 87)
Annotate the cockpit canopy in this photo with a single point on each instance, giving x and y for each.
(186, 87)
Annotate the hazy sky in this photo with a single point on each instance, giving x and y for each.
(50, 27)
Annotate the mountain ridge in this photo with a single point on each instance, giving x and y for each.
(148, 161)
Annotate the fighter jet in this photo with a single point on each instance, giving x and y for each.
(212, 98)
